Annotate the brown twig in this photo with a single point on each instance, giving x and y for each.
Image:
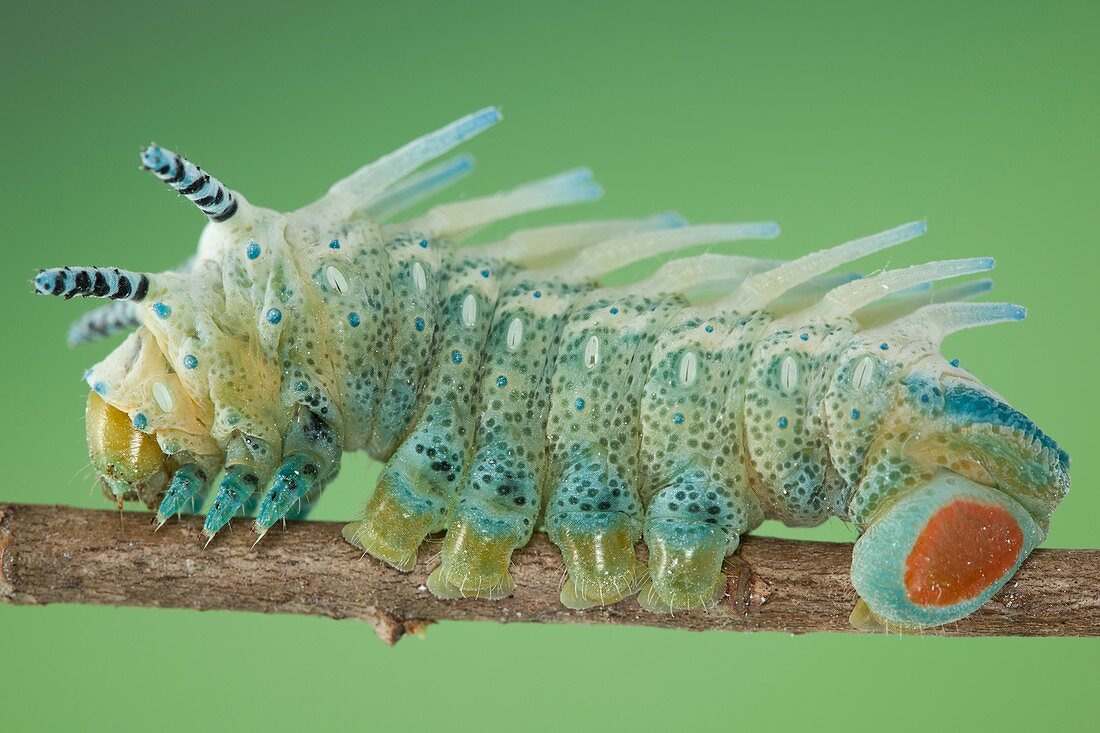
(52, 554)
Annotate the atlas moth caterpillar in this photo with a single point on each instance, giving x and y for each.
(508, 388)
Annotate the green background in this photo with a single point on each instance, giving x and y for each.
(835, 119)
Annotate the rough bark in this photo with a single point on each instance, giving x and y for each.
(52, 554)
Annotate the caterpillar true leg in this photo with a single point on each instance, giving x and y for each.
(311, 458)
(188, 485)
(250, 462)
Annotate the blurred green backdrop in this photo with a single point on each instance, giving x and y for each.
(836, 119)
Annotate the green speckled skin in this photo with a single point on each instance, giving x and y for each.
(507, 388)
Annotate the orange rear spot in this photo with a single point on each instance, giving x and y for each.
(964, 548)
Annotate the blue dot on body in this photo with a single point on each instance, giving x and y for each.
(162, 310)
(424, 243)
(538, 293)
(301, 386)
(614, 311)
(502, 381)
(140, 421)
(954, 362)
(334, 244)
(855, 414)
(419, 323)
(884, 346)
(253, 250)
(782, 423)
(708, 328)
(456, 356)
(579, 404)
(485, 273)
(353, 319)
(190, 361)
(678, 418)
(274, 315)
(99, 388)
(804, 336)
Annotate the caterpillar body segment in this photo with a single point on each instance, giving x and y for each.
(508, 388)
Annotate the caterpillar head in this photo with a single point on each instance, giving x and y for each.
(201, 366)
(145, 419)
(951, 486)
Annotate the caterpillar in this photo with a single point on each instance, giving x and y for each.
(507, 387)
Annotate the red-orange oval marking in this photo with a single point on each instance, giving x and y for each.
(964, 548)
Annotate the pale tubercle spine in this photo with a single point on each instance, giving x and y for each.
(368, 182)
(423, 185)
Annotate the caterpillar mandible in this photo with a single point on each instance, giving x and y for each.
(507, 388)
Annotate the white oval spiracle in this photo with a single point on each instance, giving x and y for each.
(863, 373)
(164, 396)
(788, 374)
(514, 336)
(469, 310)
(336, 279)
(592, 352)
(689, 368)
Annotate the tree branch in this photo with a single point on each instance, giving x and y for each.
(52, 554)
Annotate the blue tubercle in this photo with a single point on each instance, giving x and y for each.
(354, 320)
(252, 250)
(274, 315)
(161, 310)
(334, 244)
(190, 361)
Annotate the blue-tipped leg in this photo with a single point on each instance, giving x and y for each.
(237, 486)
(298, 476)
(188, 482)
(312, 453)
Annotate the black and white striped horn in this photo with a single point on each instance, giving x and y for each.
(205, 191)
(92, 282)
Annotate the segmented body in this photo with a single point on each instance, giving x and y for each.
(507, 388)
